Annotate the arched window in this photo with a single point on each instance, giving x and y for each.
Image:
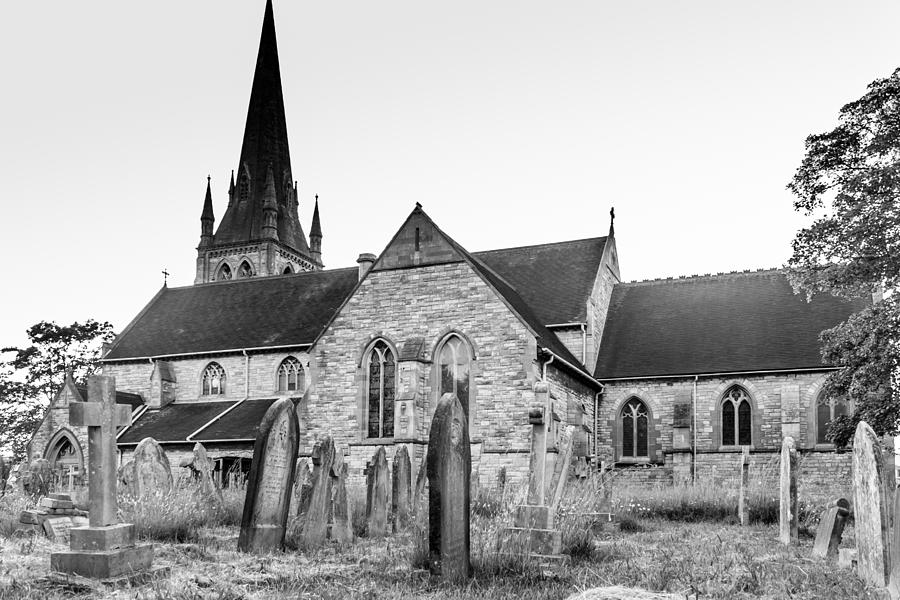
(736, 417)
(66, 461)
(381, 384)
(635, 429)
(291, 377)
(245, 270)
(454, 364)
(224, 273)
(827, 409)
(243, 186)
(287, 270)
(213, 379)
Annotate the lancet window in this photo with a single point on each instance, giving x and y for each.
(635, 429)
(737, 418)
(381, 384)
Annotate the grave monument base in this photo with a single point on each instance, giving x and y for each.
(103, 564)
(71, 580)
(262, 538)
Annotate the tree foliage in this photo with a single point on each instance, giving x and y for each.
(849, 181)
(32, 375)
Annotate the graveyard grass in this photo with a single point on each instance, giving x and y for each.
(684, 541)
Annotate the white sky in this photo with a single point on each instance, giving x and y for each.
(512, 122)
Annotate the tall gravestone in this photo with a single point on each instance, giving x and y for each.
(268, 497)
(201, 468)
(788, 519)
(149, 470)
(105, 549)
(870, 508)
(449, 464)
(378, 492)
(401, 488)
(743, 497)
(302, 486)
(315, 525)
(340, 529)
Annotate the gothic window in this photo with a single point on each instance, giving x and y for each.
(213, 379)
(224, 273)
(245, 270)
(291, 377)
(381, 384)
(827, 409)
(454, 369)
(635, 430)
(287, 270)
(736, 417)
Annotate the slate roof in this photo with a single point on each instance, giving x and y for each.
(554, 280)
(133, 400)
(733, 322)
(174, 422)
(241, 423)
(244, 313)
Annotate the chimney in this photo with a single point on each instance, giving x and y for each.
(365, 260)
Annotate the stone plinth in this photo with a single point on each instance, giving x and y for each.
(105, 564)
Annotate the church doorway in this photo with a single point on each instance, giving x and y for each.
(66, 460)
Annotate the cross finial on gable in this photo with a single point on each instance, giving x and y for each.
(612, 219)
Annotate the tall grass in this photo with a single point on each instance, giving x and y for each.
(11, 504)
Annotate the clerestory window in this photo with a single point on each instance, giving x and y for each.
(291, 376)
(737, 417)
(213, 380)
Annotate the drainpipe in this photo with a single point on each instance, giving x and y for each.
(544, 367)
(597, 398)
(246, 374)
(584, 344)
(694, 431)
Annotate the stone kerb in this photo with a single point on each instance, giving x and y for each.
(268, 499)
(788, 523)
(449, 465)
(870, 508)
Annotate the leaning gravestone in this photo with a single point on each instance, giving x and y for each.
(377, 494)
(831, 528)
(743, 504)
(788, 523)
(870, 508)
(449, 467)
(150, 469)
(105, 549)
(268, 499)
(302, 486)
(202, 468)
(315, 527)
(401, 488)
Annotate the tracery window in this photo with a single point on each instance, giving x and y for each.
(827, 409)
(291, 377)
(635, 429)
(381, 384)
(224, 273)
(736, 417)
(245, 270)
(213, 379)
(454, 365)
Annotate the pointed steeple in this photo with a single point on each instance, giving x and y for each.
(265, 145)
(270, 207)
(207, 219)
(231, 190)
(315, 235)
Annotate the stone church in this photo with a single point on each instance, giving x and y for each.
(666, 380)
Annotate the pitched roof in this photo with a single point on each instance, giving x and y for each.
(245, 313)
(173, 422)
(733, 322)
(555, 280)
(132, 400)
(241, 423)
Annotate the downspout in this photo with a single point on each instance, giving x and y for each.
(584, 344)
(246, 374)
(597, 399)
(694, 431)
(544, 367)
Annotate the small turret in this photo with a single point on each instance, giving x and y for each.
(231, 190)
(270, 208)
(207, 219)
(315, 235)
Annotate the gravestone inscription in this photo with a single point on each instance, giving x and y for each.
(271, 474)
(449, 465)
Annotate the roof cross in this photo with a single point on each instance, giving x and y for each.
(102, 416)
(165, 277)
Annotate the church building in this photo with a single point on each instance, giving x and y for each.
(667, 380)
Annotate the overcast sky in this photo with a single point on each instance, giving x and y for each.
(512, 122)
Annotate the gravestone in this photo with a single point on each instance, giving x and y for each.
(449, 467)
(870, 508)
(419, 499)
(149, 468)
(303, 486)
(340, 529)
(377, 494)
(831, 528)
(201, 468)
(315, 526)
(104, 549)
(743, 497)
(788, 525)
(401, 488)
(37, 478)
(268, 499)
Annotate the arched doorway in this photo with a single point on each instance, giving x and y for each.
(66, 459)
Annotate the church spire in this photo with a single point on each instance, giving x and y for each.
(270, 208)
(206, 217)
(315, 235)
(265, 145)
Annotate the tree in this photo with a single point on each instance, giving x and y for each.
(32, 376)
(849, 181)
